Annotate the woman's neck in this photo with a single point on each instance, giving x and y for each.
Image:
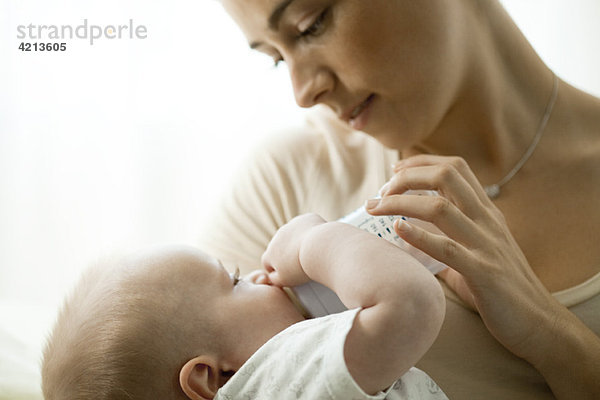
(502, 97)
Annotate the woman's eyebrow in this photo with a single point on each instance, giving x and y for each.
(274, 19)
(277, 14)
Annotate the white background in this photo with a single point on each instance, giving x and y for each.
(127, 143)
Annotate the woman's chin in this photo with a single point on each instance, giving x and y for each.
(388, 137)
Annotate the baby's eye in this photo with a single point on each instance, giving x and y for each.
(235, 277)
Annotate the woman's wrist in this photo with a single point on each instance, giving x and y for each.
(568, 357)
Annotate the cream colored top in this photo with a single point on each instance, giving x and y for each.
(325, 168)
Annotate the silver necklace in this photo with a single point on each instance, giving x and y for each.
(493, 191)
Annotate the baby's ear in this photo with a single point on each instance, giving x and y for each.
(200, 378)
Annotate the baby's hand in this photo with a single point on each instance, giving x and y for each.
(281, 259)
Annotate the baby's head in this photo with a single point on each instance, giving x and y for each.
(167, 324)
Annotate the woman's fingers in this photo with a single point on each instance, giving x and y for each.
(435, 209)
(445, 179)
(440, 247)
(456, 282)
(488, 271)
(445, 165)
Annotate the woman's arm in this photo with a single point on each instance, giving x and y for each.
(403, 304)
(490, 272)
(570, 360)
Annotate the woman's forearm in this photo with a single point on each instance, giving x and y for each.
(569, 358)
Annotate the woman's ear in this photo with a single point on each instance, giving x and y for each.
(200, 378)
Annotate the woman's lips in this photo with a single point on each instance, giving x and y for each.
(360, 115)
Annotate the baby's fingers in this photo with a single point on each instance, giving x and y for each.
(272, 276)
(259, 277)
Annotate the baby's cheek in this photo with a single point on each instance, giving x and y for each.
(276, 304)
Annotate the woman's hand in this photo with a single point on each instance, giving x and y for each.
(488, 269)
(281, 259)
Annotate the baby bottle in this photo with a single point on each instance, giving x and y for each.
(318, 300)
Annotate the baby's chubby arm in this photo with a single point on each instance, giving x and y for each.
(403, 304)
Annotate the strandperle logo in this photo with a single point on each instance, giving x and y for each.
(83, 31)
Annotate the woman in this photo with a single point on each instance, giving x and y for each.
(455, 85)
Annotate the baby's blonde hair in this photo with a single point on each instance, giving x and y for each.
(119, 336)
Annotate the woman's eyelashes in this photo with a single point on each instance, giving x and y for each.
(277, 61)
(316, 28)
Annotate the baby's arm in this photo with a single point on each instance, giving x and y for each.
(403, 304)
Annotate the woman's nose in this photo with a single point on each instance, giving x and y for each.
(311, 83)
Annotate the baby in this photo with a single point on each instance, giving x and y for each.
(174, 324)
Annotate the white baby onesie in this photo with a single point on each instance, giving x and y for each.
(306, 361)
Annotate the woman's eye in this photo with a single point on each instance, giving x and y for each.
(317, 26)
